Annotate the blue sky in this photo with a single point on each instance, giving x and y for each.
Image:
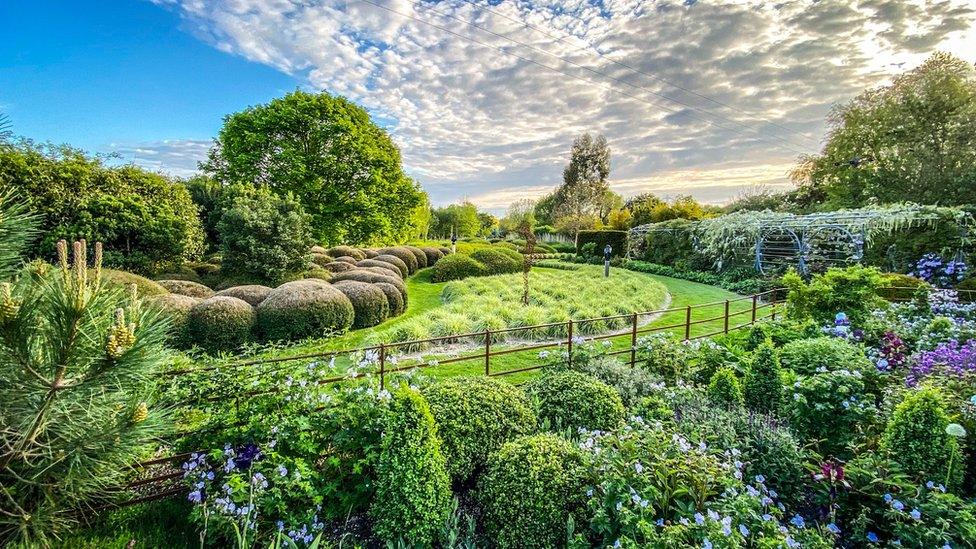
(712, 99)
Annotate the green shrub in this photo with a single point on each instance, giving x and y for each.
(304, 308)
(901, 287)
(652, 408)
(346, 259)
(318, 250)
(497, 261)
(396, 262)
(445, 251)
(758, 334)
(220, 323)
(369, 253)
(763, 389)
(808, 356)
(530, 489)
(265, 236)
(724, 388)
(599, 239)
(185, 287)
(413, 491)
(404, 255)
(391, 268)
(338, 266)
(851, 290)
(570, 400)
(177, 308)
(321, 259)
(182, 272)
(830, 411)
(315, 272)
(373, 277)
(665, 355)
(475, 416)
(122, 279)
(916, 439)
(433, 255)
(456, 267)
(672, 244)
(394, 299)
(368, 302)
(632, 384)
(346, 251)
(420, 256)
(254, 294)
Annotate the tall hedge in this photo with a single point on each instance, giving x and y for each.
(616, 239)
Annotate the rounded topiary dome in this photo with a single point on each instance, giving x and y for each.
(420, 255)
(220, 323)
(363, 275)
(433, 255)
(347, 259)
(395, 300)
(405, 255)
(369, 302)
(186, 287)
(304, 308)
(177, 308)
(254, 294)
(370, 253)
(389, 267)
(396, 262)
(338, 266)
(348, 251)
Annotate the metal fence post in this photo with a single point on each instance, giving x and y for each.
(487, 352)
(754, 298)
(726, 316)
(633, 341)
(569, 344)
(688, 323)
(382, 366)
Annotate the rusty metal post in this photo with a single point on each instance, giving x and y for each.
(688, 323)
(382, 366)
(569, 344)
(754, 298)
(633, 341)
(487, 352)
(726, 316)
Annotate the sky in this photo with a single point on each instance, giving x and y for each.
(712, 98)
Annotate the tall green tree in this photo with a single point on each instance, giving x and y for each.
(544, 214)
(329, 154)
(461, 219)
(579, 201)
(914, 140)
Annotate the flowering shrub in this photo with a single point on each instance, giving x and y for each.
(817, 355)
(664, 354)
(830, 410)
(940, 272)
(948, 359)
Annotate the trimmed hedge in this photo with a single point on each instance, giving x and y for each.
(321, 259)
(123, 279)
(445, 251)
(177, 308)
(498, 261)
(363, 275)
(475, 416)
(433, 255)
(317, 272)
(396, 262)
(304, 308)
(186, 287)
(369, 303)
(530, 489)
(405, 255)
(370, 254)
(220, 323)
(394, 299)
(318, 250)
(420, 255)
(254, 294)
(338, 266)
(347, 259)
(571, 400)
(381, 264)
(348, 251)
(616, 239)
(456, 267)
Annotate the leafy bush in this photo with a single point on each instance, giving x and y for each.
(916, 439)
(497, 261)
(373, 277)
(852, 290)
(632, 384)
(898, 286)
(369, 302)
(396, 262)
(185, 287)
(530, 489)
(404, 255)
(265, 236)
(338, 266)
(616, 239)
(456, 267)
(254, 294)
(420, 256)
(830, 410)
(177, 308)
(809, 356)
(475, 416)
(763, 389)
(346, 251)
(727, 280)
(347, 259)
(220, 323)
(758, 334)
(570, 400)
(725, 389)
(394, 299)
(671, 243)
(433, 255)
(393, 269)
(413, 490)
(122, 280)
(664, 354)
(304, 308)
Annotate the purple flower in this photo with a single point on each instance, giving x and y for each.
(948, 359)
(246, 455)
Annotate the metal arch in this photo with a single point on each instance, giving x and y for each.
(857, 240)
(797, 245)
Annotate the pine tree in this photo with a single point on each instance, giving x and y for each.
(763, 390)
(78, 361)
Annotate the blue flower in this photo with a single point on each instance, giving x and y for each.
(707, 544)
(798, 521)
(743, 530)
(872, 537)
(897, 505)
(916, 514)
(833, 529)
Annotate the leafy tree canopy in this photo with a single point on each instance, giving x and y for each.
(328, 153)
(582, 199)
(461, 219)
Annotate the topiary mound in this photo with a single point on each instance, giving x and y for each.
(380, 264)
(530, 489)
(807, 356)
(420, 255)
(185, 287)
(183, 272)
(318, 273)
(369, 302)
(348, 251)
(404, 255)
(498, 260)
(916, 438)
(363, 275)
(456, 267)
(321, 259)
(318, 250)
(763, 387)
(394, 298)
(475, 416)
(123, 279)
(177, 308)
(445, 251)
(724, 388)
(347, 259)
(338, 267)
(396, 262)
(254, 294)
(370, 254)
(304, 308)
(220, 323)
(571, 400)
(433, 255)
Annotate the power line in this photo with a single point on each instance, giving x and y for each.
(591, 48)
(564, 73)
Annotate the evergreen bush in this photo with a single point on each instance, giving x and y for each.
(419, 255)
(396, 262)
(496, 261)
(177, 308)
(724, 388)
(433, 255)
(220, 323)
(394, 299)
(456, 267)
(346, 259)
(363, 275)
(338, 266)
(763, 388)
(304, 308)
(369, 303)
(122, 280)
(254, 294)
(916, 439)
(809, 356)
(186, 287)
(346, 251)
(571, 400)
(403, 254)
(380, 264)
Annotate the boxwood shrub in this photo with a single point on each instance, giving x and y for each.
(368, 302)
(186, 287)
(348, 251)
(571, 400)
(338, 266)
(382, 265)
(916, 439)
(304, 308)
(475, 416)
(363, 275)
(347, 259)
(396, 262)
(433, 255)
(370, 253)
(420, 255)
(531, 486)
(405, 255)
(123, 279)
(808, 356)
(220, 323)
(456, 267)
(394, 299)
(177, 308)
(496, 261)
(254, 294)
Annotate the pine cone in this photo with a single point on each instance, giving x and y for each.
(140, 413)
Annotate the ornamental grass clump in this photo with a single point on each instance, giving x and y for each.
(918, 437)
(413, 489)
(80, 360)
(475, 416)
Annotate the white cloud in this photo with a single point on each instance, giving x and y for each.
(173, 157)
(473, 121)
